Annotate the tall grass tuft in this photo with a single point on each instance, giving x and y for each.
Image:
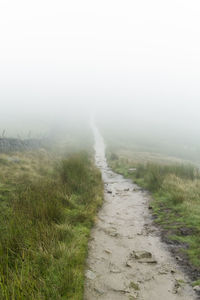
(45, 223)
(154, 174)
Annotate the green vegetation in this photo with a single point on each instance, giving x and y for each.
(196, 283)
(134, 286)
(175, 189)
(47, 208)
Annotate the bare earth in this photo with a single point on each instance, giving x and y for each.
(127, 259)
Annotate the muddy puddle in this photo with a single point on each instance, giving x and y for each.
(127, 259)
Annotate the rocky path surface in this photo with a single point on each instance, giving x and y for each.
(127, 259)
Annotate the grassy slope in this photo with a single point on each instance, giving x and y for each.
(47, 208)
(175, 189)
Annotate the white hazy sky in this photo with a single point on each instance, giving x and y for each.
(111, 53)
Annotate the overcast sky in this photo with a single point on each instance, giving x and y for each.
(133, 55)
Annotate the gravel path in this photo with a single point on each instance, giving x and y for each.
(127, 259)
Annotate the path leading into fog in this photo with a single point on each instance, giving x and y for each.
(127, 259)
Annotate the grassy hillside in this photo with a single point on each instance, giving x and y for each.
(143, 137)
(175, 189)
(47, 207)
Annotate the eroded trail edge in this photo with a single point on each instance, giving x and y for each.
(127, 259)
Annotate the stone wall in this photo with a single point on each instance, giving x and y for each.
(15, 145)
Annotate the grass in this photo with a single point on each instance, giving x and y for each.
(175, 189)
(47, 208)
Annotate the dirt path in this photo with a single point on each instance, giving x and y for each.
(127, 259)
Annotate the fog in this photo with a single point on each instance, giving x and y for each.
(134, 64)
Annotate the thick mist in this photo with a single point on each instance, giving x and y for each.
(134, 65)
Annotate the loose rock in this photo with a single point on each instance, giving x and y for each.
(114, 269)
(108, 251)
(143, 257)
(90, 275)
(141, 254)
(196, 288)
(99, 291)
